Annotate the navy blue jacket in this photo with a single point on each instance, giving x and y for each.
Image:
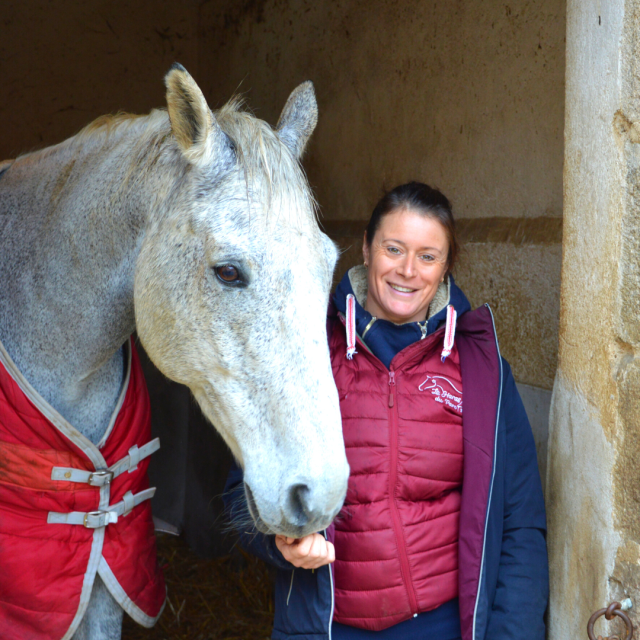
(503, 565)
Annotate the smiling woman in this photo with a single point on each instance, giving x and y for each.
(442, 533)
(409, 247)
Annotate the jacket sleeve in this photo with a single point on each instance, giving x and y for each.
(235, 502)
(522, 590)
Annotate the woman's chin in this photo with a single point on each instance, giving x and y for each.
(401, 313)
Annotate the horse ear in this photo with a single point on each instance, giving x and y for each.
(298, 118)
(194, 126)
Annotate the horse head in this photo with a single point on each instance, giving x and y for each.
(231, 289)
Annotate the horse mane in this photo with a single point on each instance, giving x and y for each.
(258, 148)
(263, 157)
(261, 152)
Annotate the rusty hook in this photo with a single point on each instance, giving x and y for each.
(613, 610)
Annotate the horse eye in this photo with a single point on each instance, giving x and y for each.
(228, 273)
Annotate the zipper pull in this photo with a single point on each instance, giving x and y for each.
(392, 382)
(423, 329)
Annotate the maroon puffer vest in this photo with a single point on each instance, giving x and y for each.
(396, 537)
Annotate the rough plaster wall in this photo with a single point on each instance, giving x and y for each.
(528, 313)
(467, 96)
(64, 63)
(626, 367)
(593, 477)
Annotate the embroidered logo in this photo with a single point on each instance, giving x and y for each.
(443, 391)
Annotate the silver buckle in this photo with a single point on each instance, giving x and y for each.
(104, 476)
(96, 514)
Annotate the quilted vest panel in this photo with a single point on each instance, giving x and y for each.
(396, 537)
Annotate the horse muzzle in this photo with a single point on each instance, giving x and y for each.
(302, 510)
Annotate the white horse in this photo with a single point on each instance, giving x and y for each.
(198, 230)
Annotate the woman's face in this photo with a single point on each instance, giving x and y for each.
(406, 263)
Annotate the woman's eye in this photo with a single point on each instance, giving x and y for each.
(228, 273)
(428, 258)
(393, 250)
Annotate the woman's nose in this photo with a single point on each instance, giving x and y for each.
(406, 267)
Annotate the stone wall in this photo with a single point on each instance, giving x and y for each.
(64, 63)
(593, 476)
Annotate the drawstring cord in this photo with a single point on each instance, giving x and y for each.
(351, 326)
(449, 332)
(290, 586)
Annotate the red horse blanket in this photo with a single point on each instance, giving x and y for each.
(70, 509)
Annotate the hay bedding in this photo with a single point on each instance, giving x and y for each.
(228, 598)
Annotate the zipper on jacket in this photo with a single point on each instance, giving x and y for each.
(366, 329)
(423, 329)
(493, 473)
(393, 478)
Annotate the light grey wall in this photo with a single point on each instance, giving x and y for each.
(537, 403)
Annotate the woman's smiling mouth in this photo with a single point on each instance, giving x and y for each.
(397, 287)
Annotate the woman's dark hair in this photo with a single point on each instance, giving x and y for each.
(423, 199)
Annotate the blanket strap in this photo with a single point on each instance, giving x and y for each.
(97, 519)
(100, 477)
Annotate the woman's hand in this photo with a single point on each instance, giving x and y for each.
(310, 552)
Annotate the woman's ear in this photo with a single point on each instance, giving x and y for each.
(365, 250)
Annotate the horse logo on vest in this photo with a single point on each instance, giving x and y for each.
(443, 391)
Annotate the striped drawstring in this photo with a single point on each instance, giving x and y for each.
(449, 332)
(351, 326)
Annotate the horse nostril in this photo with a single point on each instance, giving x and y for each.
(298, 506)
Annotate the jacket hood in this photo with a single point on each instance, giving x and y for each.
(355, 282)
(385, 339)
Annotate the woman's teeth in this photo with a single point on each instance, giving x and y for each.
(401, 289)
